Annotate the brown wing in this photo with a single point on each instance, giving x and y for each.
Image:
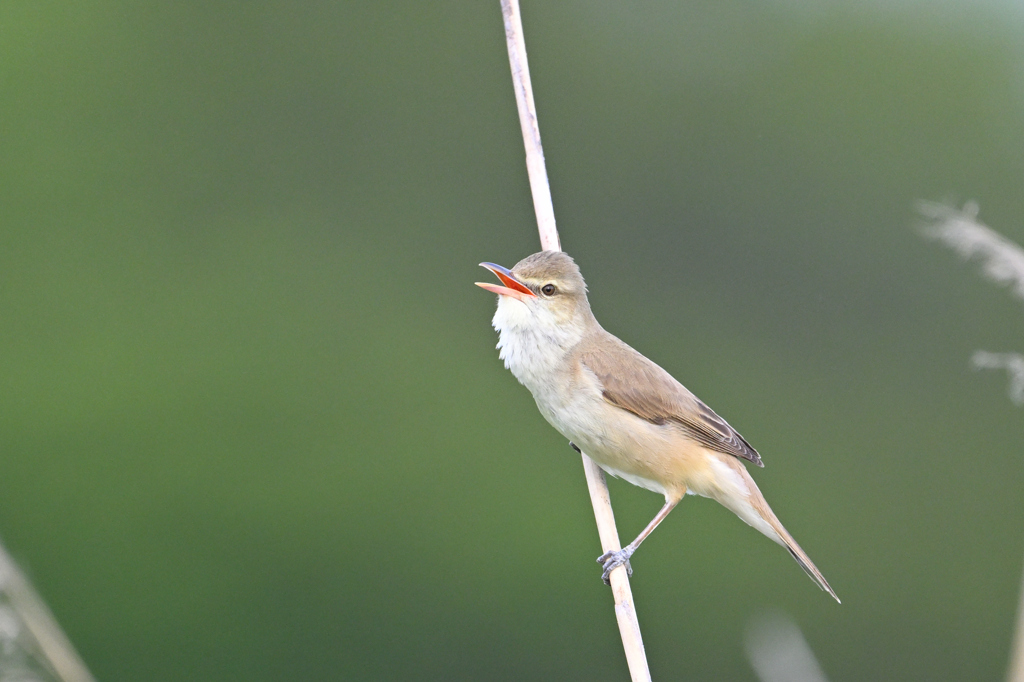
(633, 383)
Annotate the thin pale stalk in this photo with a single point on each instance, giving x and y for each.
(1017, 653)
(53, 644)
(539, 187)
(625, 613)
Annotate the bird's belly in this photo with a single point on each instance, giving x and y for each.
(654, 457)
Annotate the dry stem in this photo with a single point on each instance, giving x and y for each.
(55, 648)
(1016, 673)
(625, 613)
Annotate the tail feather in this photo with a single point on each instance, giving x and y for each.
(805, 563)
(756, 512)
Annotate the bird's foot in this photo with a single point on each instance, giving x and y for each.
(612, 560)
(575, 447)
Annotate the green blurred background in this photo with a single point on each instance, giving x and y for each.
(253, 423)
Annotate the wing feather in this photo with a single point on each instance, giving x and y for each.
(632, 382)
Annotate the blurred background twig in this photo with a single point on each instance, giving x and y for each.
(1016, 669)
(32, 644)
(1002, 262)
(778, 651)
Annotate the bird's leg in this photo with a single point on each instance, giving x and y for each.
(611, 560)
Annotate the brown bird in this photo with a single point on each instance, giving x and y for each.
(627, 413)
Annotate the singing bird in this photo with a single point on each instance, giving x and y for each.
(625, 412)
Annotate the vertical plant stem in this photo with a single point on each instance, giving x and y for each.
(1016, 673)
(55, 647)
(625, 613)
(539, 187)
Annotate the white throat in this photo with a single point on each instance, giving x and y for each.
(533, 342)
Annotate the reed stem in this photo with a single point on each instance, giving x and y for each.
(625, 613)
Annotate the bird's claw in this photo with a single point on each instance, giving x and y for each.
(612, 560)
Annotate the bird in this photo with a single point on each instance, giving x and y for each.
(625, 412)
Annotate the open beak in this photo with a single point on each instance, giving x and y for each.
(513, 287)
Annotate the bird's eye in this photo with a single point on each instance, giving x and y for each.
(548, 289)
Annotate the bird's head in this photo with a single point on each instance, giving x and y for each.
(548, 284)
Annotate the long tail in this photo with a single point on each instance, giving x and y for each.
(756, 512)
(801, 558)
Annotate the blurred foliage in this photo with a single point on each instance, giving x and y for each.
(253, 423)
